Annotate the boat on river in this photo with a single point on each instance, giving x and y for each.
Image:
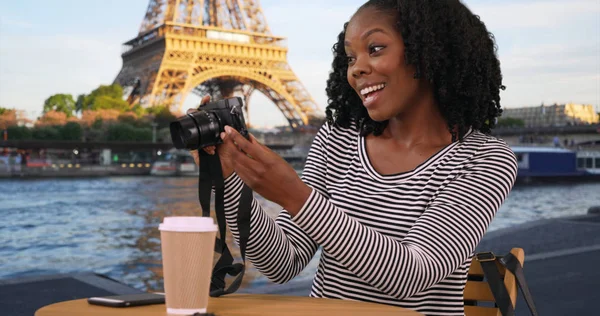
(589, 161)
(555, 163)
(175, 162)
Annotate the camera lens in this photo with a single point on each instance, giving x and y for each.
(184, 133)
(195, 130)
(209, 127)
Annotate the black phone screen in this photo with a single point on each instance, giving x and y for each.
(128, 300)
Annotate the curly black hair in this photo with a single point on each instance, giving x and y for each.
(450, 47)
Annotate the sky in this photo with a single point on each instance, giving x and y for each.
(549, 50)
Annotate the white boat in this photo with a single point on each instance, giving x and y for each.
(175, 163)
(589, 160)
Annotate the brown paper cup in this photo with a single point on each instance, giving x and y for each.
(187, 245)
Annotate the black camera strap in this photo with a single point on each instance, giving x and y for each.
(211, 175)
(489, 266)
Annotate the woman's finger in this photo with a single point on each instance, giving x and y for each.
(210, 150)
(205, 99)
(244, 145)
(249, 173)
(196, 156)
(250, 169)
(255, 141)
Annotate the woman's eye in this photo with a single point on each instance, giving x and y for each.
(350, 59)
(375, 49)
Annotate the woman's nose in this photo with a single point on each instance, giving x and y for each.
(360, 67)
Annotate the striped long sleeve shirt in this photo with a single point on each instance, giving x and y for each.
(405, 239)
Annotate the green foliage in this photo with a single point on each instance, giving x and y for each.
(134, 124)
(71, 131)
(138, 110)
(126, 132)
(153, 110)
(79, 104)
(97, 123)
(127, 119)
(19, 132)
(162, 115)
(3, 110)
(46, 133)
(510, 122)
(104, 102)
(113, 91)
(60, 103)
(103, 97)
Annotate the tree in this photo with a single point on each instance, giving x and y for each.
(138, 110)
(162, 115)
(18, 132)
(89, 117)
(52, 118)
(46, 133)
(79, 107)
(510, 122)
(8, 118)
(60, 103)
(132, 119)
(126, 132)
(128, 118)
(71, 131)
(105, 97)
(104, 102)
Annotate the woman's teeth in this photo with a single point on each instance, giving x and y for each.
(368, 90)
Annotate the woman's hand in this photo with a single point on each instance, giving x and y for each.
(224, 156)
(265, 172)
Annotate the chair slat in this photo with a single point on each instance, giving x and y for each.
(475, 268)
(478, 291)
(480, 311)
(509, 279)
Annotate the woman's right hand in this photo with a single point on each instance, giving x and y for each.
(224, 156)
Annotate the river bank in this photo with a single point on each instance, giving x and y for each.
(76, 171)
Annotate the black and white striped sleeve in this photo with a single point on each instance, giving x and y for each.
(443, 237)
(278, 248)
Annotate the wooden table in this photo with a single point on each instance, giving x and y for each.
(238, 304)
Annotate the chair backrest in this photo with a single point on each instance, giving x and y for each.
(478, 291)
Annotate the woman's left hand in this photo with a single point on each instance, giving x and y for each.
(265, 172)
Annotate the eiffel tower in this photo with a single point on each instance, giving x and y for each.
(219, 47)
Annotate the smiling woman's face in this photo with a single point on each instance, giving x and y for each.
(377, 70)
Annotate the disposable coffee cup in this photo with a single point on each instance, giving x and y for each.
(187, 245)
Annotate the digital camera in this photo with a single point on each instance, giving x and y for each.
(203, 128)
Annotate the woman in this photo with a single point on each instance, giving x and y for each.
(402, 181)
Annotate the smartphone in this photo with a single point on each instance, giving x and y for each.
(128, 300)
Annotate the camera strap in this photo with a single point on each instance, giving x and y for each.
(211, 175)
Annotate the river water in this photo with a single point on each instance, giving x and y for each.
(109, 225)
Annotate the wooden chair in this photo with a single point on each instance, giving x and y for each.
(477, 290)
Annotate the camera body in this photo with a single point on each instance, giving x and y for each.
(203, 128)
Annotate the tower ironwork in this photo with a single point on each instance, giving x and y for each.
(220, 47)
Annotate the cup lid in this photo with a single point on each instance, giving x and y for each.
(188, 224)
